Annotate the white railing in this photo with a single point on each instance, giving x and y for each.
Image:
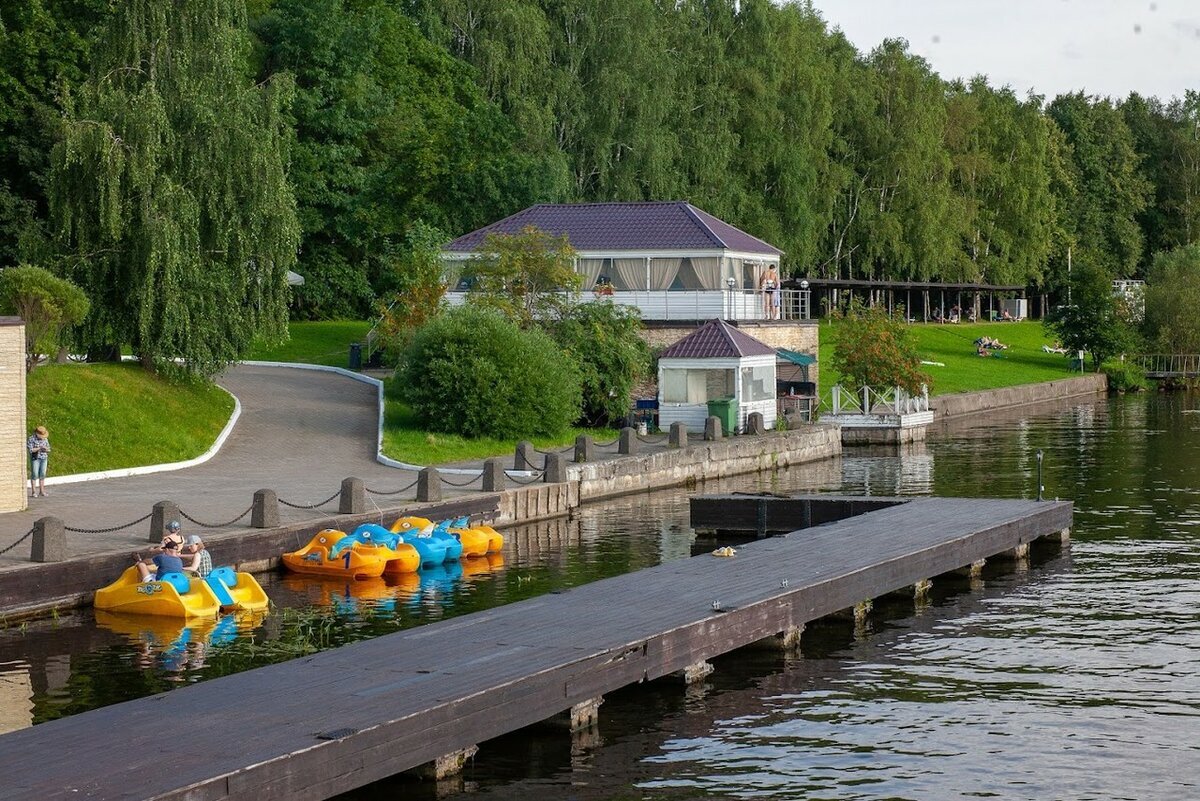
(698, 304)
(873, 401)
(1169, 364)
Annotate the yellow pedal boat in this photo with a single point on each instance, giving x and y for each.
(176, 595)
(237, 590)
(336, 554)
(477, 540)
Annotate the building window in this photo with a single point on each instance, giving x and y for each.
(758, 383)
(696, 386)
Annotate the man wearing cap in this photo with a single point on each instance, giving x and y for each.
(38, 446)
(160, 564)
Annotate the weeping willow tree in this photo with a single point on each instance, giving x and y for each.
(169, 191)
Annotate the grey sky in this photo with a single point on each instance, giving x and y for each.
(1104, 47)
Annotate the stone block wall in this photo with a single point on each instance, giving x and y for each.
(965, 403)
(12, 415)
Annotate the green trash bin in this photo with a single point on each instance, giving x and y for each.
(725, 410)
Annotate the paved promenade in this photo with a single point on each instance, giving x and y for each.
(300, 433)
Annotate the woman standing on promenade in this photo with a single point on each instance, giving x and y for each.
(38, 445)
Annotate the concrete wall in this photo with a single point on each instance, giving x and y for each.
(702, 461)
(800, 336)
(12, 415)
(946, 406)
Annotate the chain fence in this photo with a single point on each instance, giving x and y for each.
(191, 519)
(534, 479)
(28, 534)
(405, 488)
(107, 530)
(466, 483)
(312, 505)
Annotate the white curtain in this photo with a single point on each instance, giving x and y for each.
(590, 269)
(630, 273)
(708, 270)
(663, 272)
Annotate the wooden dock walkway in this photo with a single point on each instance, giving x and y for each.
(321, 725)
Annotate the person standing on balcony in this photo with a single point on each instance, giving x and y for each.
(769, 284)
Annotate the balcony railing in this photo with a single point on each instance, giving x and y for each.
(699, 304)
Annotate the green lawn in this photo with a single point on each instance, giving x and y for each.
(960, 369)
(405, 441)
(326, 342)
(108, 416)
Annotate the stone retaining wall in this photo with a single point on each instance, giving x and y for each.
(947, 406)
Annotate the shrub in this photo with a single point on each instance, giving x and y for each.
(874, 350)
(1125, 377)
(45, 302)
(472, 372)
(603, 340)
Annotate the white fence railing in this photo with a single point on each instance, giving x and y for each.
(1170, 364)
(873, 400)
(699, 304)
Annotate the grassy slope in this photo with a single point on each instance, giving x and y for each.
(1023, 363)
(325, 343)
(108, 416)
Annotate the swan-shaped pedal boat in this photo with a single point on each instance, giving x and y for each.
(172, 595)
(478, 540)
(363, 554)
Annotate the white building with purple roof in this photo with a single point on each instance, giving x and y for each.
(667, 258)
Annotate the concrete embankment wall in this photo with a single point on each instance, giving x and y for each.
(966, 403)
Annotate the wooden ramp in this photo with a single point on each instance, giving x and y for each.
(322, 725)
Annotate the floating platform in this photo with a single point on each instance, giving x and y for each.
(322, 725)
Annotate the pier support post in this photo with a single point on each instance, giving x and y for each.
(266, 509)
(583, 715)
(493, 475)
(554, 469)
(786, 640)
(712, 428)
(445, 766)
(523, 460)
(354, 497)
(862, 610)
(678, 438)
(162, 513)
(49, 540)
(694, 673)
(429, 485)
(585, 449)
(755, 424)
(629, 442)
(918, 590)
(1017, 553)
(973, 570)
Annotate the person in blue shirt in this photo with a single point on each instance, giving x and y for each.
(166, 562)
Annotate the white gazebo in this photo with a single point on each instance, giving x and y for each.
(716, 362)
(669, 259)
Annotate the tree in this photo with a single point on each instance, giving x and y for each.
(1092, 322)
(1172, 297)
(528, 277)
(603, 339)
(874, 350)
(45, 302)
(168, 188)
(420, 286)
(470, 371)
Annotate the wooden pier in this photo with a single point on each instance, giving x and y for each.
(321, 725)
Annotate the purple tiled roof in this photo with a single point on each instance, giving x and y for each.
(717, 339)
(659, 225)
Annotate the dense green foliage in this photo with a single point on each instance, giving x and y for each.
(1172, 300)
(1125, 376)
(447, 115)
(45, 302)
(602, 338)
(1094, 321)
(109, 416)
(168, 190)
(528, 277)
(873, 349)
(470, 371)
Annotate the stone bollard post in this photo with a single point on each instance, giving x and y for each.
(524, 456)
(354, 497)
(49, 540)
(629, 442)
(266, 509)
(164, 512)
(554, 469)
(429, 485)
(755, 424)
(585, 449)
(493, 475)
(678, 436)
(712, 429)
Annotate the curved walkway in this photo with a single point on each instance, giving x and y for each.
(300, 433)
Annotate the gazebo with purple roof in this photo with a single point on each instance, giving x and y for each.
(716, 362)
(668, 258)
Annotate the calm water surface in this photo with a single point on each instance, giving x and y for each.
(1073, 677)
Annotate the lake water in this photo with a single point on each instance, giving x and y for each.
(1073, 677)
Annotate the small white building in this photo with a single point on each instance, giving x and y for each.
(716, 362)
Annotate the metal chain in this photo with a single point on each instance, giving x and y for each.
(107, 530)
(652, 437)
(570, 447)
(28, 534)
(405, 488)
(191, 519)
(531, 480)
(607, 444)
(467, 483)
(313, 505)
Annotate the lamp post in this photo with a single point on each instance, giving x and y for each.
(730, 282)
(805, 310)
(1041, 487)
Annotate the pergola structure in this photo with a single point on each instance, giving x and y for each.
(930, 297)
